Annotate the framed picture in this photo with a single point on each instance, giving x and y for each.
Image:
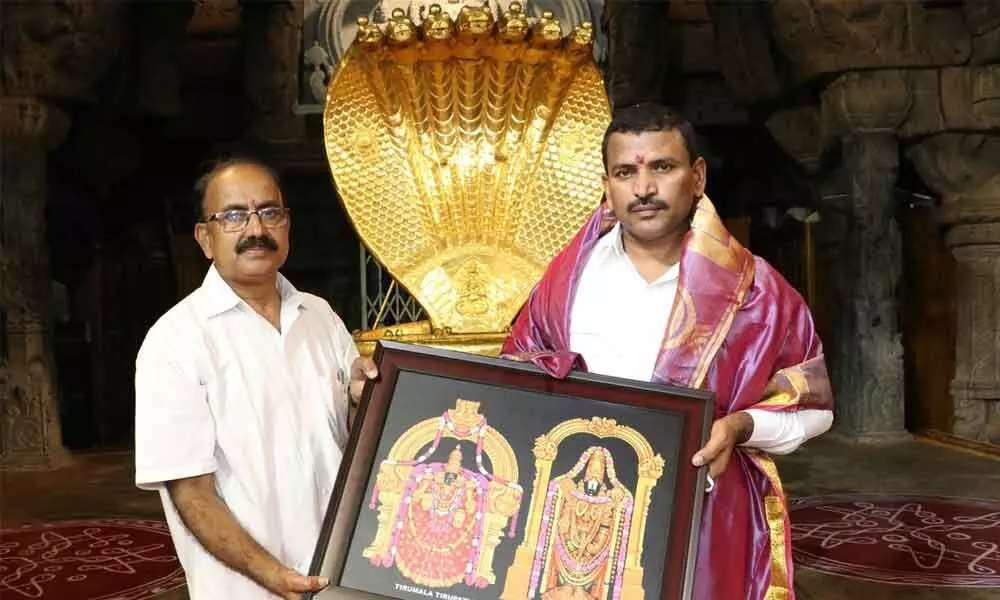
(474, 478)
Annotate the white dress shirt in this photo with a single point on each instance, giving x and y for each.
(626, 343)
(220, 390)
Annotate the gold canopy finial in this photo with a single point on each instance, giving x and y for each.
(400, 29)
(438, 26)
(474, 22)
(547, 32)
(368, 33)
(513, 26)
(582, 38)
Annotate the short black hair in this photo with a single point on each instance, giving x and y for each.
(212, 169)
(648, 117)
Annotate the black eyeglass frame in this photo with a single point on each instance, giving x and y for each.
(231, 227)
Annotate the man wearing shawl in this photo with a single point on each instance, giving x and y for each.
(668, 295)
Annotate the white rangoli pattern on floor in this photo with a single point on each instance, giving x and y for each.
(122, 558)
(903, 539)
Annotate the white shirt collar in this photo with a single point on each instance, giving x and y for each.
(216, 297)
(610, 251)
(610, 244)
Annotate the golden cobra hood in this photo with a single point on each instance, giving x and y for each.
(467, 154)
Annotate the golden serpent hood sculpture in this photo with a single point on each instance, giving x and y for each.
(467, 154)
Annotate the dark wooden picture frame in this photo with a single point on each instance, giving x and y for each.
(516, 390)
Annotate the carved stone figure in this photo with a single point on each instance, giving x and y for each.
(830, 36)
(29, 423)
(58, 49)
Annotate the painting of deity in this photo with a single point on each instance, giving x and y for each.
(585, 526)
(584, 533)
(476, 478)
(439, 522)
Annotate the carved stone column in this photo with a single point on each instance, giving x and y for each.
(864, 110)
(29, 418)
(270, 33)
(638, 66)
(965, 169)
(162, 29)
(799, 131)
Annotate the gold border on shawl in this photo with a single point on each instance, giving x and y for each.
(797, 379)
(682, 321)
(775, 512)
(714, 241)
(774, 502)
(781, 400)
(712, 347)
(786, 388)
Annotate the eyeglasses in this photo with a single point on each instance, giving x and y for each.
(236, 219)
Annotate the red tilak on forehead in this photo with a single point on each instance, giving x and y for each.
(640, 159)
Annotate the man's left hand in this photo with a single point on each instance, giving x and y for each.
(728, 431)
(362, 369)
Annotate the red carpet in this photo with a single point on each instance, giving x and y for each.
(902, 539)
(100, 559)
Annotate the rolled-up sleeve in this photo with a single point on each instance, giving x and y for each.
(174, 428)
(783, 432)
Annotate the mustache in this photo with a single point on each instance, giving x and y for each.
(646, 202)
(264, 242)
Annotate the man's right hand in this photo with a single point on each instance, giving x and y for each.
(727, 432)
(208, 518)
(290, 584)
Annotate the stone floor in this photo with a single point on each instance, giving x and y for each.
(92, 486)
(829, 466)
(100, 485)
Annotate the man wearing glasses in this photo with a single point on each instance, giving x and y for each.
(242, 393)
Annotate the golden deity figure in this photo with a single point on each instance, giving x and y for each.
(439, 523)
(464, 142)
(585, 528)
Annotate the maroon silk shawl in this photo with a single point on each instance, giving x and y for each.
(739, 329)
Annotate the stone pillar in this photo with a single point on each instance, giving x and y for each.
(162, 31)
(638, 68)
(864, 110)
(799, 131)
(30, 436)
(965, 169)
(871, 352)
(271, 33)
